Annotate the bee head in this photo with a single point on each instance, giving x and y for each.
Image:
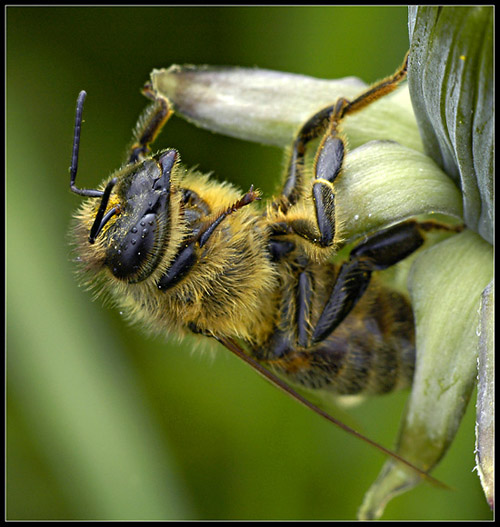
(130, 224)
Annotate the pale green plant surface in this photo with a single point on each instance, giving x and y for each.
(451, 83)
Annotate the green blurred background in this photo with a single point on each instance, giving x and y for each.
(103, 421)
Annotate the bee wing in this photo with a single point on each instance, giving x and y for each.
(237, 350)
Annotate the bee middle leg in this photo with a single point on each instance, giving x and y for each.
(377, 252)
(328, 160)
(293, 325)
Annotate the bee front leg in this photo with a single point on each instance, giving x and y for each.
(149, 125)
(188, 255)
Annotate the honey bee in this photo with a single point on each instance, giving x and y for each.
(181, 253)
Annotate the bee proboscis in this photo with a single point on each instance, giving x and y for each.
(179, 252)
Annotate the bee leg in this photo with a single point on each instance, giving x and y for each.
(293, 326)
(376, 91)
(331, 151)
(379, 251)
(187, 256)
(180, 267)
(329, 158)
(149, 125)
(304, 302)
(327, 167)
(294, 187)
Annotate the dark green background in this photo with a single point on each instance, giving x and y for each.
(103, 421)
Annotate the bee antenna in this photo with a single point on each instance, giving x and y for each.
(101, 219)
(76, 147)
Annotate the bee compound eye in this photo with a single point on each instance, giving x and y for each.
(128, 256)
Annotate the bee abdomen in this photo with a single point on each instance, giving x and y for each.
(371, 352)
(370, 366)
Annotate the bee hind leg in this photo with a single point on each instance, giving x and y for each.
(377, 252)
(331, 152)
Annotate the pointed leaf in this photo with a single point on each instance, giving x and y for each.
(446, 283)
(485, 420)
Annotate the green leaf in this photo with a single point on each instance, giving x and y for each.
(446, 283)
(485, 420)
(450, 75)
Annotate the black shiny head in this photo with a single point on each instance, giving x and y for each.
(134, 241)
